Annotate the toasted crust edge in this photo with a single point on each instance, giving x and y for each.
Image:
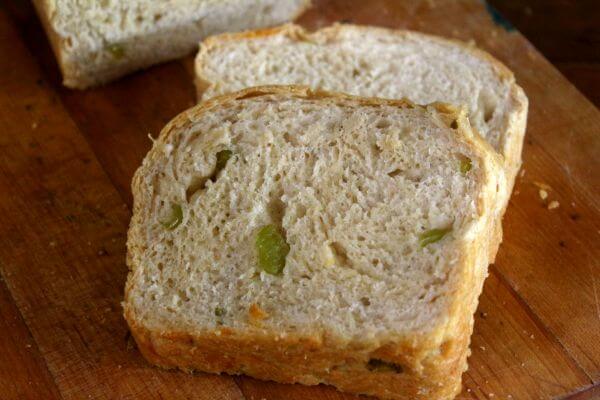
(432, 365)
(511, 140)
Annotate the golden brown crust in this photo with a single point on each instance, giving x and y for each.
(301, 360)
(426, 366)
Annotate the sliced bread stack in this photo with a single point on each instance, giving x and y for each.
(305, 236)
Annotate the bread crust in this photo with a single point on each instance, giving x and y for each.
(432, 362)
(513, 132)
(305, 360)
(74, 65)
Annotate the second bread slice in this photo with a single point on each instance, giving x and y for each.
(374, 62)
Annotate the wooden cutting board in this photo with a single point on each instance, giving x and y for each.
(67, 158)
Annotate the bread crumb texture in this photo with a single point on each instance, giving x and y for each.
(355, 190)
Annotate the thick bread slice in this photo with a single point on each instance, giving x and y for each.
(98, 41)
(374, 62)
(355, 187)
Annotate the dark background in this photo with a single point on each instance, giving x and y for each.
(567, 32)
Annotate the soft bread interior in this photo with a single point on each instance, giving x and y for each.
(353, 187)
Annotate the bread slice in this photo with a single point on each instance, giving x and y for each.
(98, 41)
(305, 236)
(374, 62)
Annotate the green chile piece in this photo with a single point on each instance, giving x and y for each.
(175, 218)
(116, 50)
(219, 311)
(432, 236)
(272, 250)
(465, 165)
(222, 157)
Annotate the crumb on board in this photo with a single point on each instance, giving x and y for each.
(553, 204)
(543, 194)
(522, 173)
(543, 186)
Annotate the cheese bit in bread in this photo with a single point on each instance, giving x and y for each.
(374, 62)
(338, 241)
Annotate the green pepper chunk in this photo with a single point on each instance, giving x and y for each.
(219, 311)
(116, 50)
(432, 236)
(465, 165)
(175, 218)
(222, 157)
(272, 250)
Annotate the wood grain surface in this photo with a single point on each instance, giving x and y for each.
(66, 162)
